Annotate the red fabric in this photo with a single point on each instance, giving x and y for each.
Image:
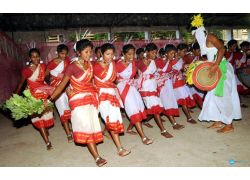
(85, 138)
(121, 67)
(188, 59)
(124, 92)
(138, 117)
(242, 90)
(171, 112)
(52, 65)
(198, 99)
(40, 84)
(87, 100)
(112, 99)
(43, 123)
(117, 127)
(27, 72)
(160, 63)
(186, 102)
(141, 66)
(66, 116)
(148, 93)
(73, 70)
(101, 73)
(155, 110)
(178, 83)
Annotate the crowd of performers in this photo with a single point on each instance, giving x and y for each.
(142, 84)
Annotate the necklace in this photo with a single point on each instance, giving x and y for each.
(82, 66)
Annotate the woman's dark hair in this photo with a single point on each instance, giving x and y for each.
(196, 46)
(107, 46)
(161, 51)
(231, 42)
(170, 47)
(83, 44)
(139, 51)
(244, 43)
(151, 47)
(182, 46)
(34, 50)
(97, 48)
(127, 47)
(193, 28)
(62, 47)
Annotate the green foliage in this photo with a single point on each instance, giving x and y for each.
(22, 107)
(186, 35)
(217, 33)
(123, 36)
(163, 34)
(100, 36)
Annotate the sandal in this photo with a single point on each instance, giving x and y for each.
(49, 146)
(70, 138)
(178, 126)
(192, 121)
(147, 124)
(131, 132)
(147, 141)
(123, 152)
(100, 161)
(166, 134)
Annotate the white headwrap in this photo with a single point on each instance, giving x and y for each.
(201, 38)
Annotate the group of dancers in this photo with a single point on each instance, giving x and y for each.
(146, 87)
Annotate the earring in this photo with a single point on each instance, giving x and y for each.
(101, 58)
(41, 62)
(122, 57)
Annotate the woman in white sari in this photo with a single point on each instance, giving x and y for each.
(133, 104)
(220, 105)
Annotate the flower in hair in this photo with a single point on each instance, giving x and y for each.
(197, 21)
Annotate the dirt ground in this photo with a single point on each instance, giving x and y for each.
(193, 146)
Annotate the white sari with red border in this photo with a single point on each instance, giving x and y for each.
(131, 98)
(83, 102)
(109, 98)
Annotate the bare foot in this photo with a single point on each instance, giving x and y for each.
(49, 146)
(192, 121)
(123, 152)
(131, 132)
(100, 161)
(147, 124)
(216, 124)
(226, 129)
(166, 134)
(178, 126)
(70, 138)
(147, 141)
